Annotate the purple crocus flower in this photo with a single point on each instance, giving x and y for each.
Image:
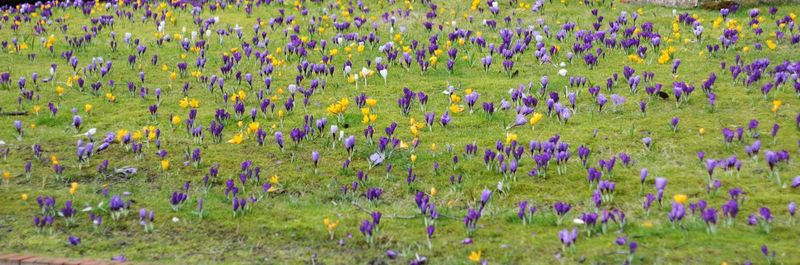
(376, 218)
(73, 240)
(349, 144)
(796, 182)
(648, 201)
(279, 139)
(677, 213)
(487, 62)
(660, 184)
(617, 99)
(18, 127)
(561, 209)
(632, 246)
(601, 101)
(775, 128)
(523, 210)
(315, 158)
(68, 211)
(120, 258)
(675, 65)
(366, 228)
(674, 123)
(76, 122)
(648, 142)
(764, 249)
(544, 81)
(568, 237)
(445, 119)
(518, 121)
(471, 99)
(724, 12)
(486, 194)
(765, 213)
(710, 218)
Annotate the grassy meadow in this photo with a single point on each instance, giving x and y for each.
(283, 221)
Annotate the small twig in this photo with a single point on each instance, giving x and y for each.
(14, 113)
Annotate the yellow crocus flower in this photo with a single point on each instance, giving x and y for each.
(237, 139)
(176, 120)
(776, 104)
(184, 103)
(680, 198)
(136, 135)
(536, 118)
(253, 127)
(475, 256)
(771, 44)
(455, 109)
(455, 98)
(510, 137)
(274, 179)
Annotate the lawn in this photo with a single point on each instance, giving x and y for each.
(117, 107)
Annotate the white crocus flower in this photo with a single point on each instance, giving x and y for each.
(384, 74)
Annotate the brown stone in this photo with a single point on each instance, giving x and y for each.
(15, 259)
(93, 262)
(22, 259)
(59, 261)
(3, 256)
(72, 262)
(39, 261)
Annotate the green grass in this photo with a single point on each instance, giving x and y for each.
(287, 226)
